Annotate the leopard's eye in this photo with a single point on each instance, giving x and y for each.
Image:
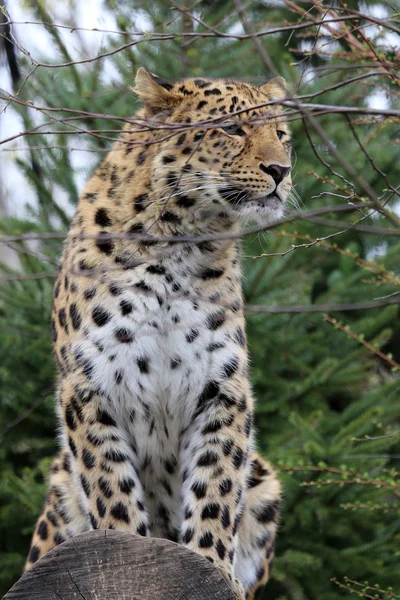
(233, 130)
(280, 133)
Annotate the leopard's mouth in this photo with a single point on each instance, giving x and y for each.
(241, 197)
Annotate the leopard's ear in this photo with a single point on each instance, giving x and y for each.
(275, 88)
(155, 92)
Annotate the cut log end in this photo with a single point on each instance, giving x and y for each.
(112, 565)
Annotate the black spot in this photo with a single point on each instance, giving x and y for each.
(126, 307)
(136, 228)
(210, 511)
(240, 337)
(94, 439)
(209, 392)
(166, 486)
(208, 459)
(185, 201)
(123, 335)
(202, 83)
(215, 320)
(141, 285)
(260, 573)
(69, 418)
(214, 346)
(248, 425)
(90, 196)
(168, 159)
(206, 247)
(170, 217)
(140, 201)
(225, 517)
(67, 463)
(72, 446)
(54, 334)
(57, 289)
(142, 529)
(115, 456)
(230, 368)
(236, 524)
(211, 273)
(213, 92)
(126, 485)
(105, 487)
(156, 269)
(212, 427)
(102, 218)
(188, 535)
(143, 364)
(181, 139)
(238, 458)
(227, 447)
(78, 409)
(225, 487)
(101, 507)
(206, 540)
(105, 418)
(188, 514)
(62, 317)
(85, 484)
(43, 530)
(100, 316)
(253, 482)
(242, 404)
(175, 363)
(199, 489)
(89, 294)
(104, 245)
(75, 316)
(88, 459)
(220, 548)
(115, 290)
(34, 554)
(118, 376)
(170, 465)
(201, 104)
(120, 512)
(141, 157)
(269, 512)
(192, 335)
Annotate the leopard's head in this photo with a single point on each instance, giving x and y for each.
(221, 147)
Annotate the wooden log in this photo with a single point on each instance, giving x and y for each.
(112, 565)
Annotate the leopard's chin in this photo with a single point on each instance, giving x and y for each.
(262, 209)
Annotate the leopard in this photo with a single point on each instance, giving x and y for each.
(154, 399)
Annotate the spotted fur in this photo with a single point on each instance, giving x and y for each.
(154, 399)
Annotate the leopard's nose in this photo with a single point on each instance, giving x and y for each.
(277, 172)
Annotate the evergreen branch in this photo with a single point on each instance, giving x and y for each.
(346, 329)
(318, 308)
(363, 593)
(347, 477)
(369, 506)
(386, 275)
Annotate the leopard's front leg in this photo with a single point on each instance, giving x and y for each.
(104, 461)
(214, 455)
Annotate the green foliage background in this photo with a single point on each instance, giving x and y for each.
(319, 391)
